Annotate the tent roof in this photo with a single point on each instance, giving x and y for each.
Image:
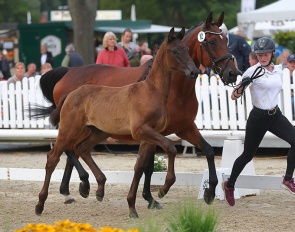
(153, 28)
(280, 10)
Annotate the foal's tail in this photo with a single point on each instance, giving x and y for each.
(55, 114)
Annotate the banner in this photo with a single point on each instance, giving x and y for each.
(248, 5)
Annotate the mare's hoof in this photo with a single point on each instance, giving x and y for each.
(84, 189)
(161, 193)
(209, 196)
(154, 205)
(69, 199)
(39, 210)
(133, 214)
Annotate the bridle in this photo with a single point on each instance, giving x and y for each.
(215, 67)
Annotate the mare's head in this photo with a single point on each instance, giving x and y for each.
(208, 46)
(174, 55)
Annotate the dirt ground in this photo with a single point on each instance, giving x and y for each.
(269, 211)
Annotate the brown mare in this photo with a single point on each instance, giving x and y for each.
(139, 110)
(211, 51)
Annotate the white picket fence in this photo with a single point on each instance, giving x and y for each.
(218, 117)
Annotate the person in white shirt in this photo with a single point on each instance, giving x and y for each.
(265, 82)
(19, 69)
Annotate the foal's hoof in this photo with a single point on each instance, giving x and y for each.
(84, 189)
(133, 214)
(39, 210)
(161, 193)
(209, 196)
(154, 205)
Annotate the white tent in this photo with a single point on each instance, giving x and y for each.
(152, 29)
(277, 16)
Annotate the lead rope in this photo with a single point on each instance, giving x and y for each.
(259, 71)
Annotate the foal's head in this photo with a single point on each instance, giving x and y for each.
(174, 55)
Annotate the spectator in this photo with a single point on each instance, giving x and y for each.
(45, 68)
(239, 47)
(145, 58)
(4, 67)
(144, 48)
(291, 66)
(31, 70)
(253, 58)
(283, 58)
(111, 53)
(20, 69)
(72, 58)
(132, 49)
(45, 57)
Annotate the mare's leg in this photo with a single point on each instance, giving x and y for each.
(193, 136)
(148, 172)
(52, 160)
(84, 188)
(83, 147)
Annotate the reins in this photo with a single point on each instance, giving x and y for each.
(259, 72)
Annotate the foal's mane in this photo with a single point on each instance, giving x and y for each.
(145, 74)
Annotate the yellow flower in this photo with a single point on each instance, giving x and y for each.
(68, 226)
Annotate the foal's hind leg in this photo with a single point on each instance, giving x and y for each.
(148, 172)
(193, 136)
(52, 160)
(84, 147)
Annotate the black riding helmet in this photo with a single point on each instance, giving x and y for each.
(264, 45)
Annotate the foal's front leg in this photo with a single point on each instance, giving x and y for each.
(148, 172)
(140, 166)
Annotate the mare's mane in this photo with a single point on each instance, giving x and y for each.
(147, 70)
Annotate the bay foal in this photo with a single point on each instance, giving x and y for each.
(138, 109)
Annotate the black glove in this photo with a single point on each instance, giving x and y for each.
(246, 81)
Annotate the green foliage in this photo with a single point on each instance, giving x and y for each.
(286, 39)
(185, 216)
(191, 217)
(159, 164)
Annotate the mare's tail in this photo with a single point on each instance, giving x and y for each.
(49, 80)
(47, 84)
(55, 114)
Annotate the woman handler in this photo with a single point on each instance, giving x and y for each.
(265, 115)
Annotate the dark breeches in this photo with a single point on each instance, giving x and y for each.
(258, 123)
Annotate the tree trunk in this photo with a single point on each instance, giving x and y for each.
(83, 13)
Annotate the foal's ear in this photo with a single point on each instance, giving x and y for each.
(209, 20)
(171, 34)
(180, 34)
(219, 21)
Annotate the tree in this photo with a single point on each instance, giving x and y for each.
(83, 13)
